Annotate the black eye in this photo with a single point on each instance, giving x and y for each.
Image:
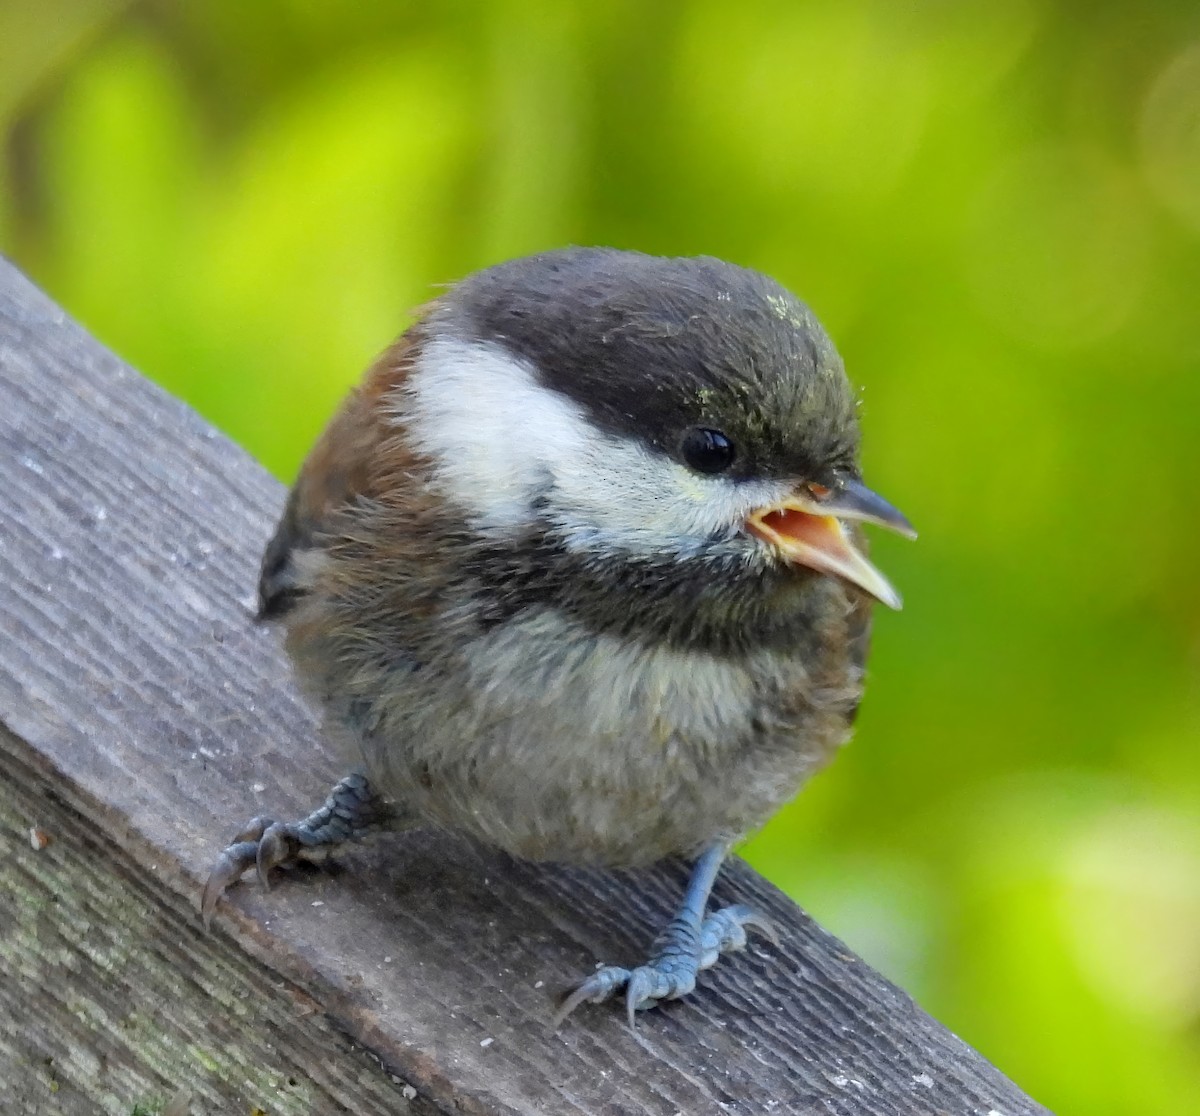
(707, 451)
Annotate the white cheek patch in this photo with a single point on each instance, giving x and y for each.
(501, 441)
(489, 428)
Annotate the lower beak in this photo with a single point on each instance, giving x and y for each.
(809, 532)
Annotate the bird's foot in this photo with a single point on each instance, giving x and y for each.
(679, 954)
(350, 811)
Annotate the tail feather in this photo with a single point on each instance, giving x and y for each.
(278, 587)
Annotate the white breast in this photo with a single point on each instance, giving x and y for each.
(609, 688)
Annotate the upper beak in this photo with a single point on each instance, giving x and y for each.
(807, 529)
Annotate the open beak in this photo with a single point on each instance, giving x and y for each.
(807, 529)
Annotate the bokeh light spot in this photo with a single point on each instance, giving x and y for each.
(1170, 136)
(1132, 909)
(1059, 254)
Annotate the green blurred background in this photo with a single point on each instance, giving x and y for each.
(995, 209)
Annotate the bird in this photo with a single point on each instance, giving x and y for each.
(578, 571)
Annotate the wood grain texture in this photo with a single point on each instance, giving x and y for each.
(148, 717)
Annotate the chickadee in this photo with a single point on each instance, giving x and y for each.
(577, 571)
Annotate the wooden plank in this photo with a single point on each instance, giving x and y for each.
(147, 717)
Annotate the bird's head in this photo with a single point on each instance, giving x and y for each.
(635, 409)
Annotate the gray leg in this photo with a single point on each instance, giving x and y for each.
(690, 942)
(350, 812)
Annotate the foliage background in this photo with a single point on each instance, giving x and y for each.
(994, 207)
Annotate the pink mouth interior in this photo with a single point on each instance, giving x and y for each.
(791, 523)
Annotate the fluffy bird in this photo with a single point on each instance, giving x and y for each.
(578, 571)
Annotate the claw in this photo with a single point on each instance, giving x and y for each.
(229, 867)
(725, 932)
(679, 956)
(632, 1005)
(273, 850)
(594, 989)
(348, 813)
